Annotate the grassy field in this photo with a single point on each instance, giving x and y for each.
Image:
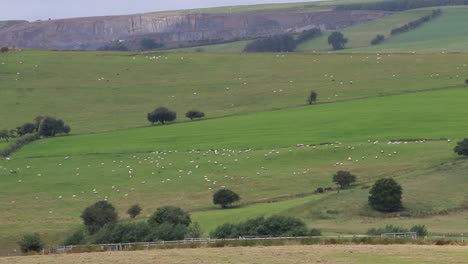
(362, 254)
(218, 84)
(448, 33)
(229, 47)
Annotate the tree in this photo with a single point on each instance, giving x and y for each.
(278, 43)
(344, 179)
(466, 81)
(385, 196)
(5, 134)
(149, 44)
(162, 115)
(420, 230)
(337, 40)
(50, 126)
(31, 242)
(26, 129)
(225, 198)
(98, 215)
(4, 49)
(134, 210)
(170, 214)
(312, 98)
(462, 148)
(378, 39)
(194, 114)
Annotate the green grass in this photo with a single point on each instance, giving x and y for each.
(229, 47)
(362, 35)
(448, 33)
(410, 116)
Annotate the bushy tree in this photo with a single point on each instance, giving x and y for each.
(168, 232)
(161, 115)
(194, 114)
(31, 242)
(386, 195)
(149, 44)
(308, 35)
(225, 198)
(278, 43)
(344, 179)
(194, 230)
(170, 214)
(123, 233)
(5, 135)
(134, 210)
(378, 39)
(420, 230)
(77, 238)
(4, 49)
(26, 128)
(98, 215)
(337, 40)
(50, 127)
(462, 148)
(312, 98)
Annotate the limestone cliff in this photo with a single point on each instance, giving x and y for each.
(172, 29)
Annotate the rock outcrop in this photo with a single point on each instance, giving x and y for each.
(173, 29)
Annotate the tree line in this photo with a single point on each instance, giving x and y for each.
(141, 45)
(282, 42)
(416, 23)
(399, 5)
(162, 115)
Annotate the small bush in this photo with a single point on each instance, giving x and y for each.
(279, 43)
(194, 231)
(462, 148)
(386, 229)
(123, 233)
(168, 232)
(312, 99)
(134, 211)
(31, 242)
(170, 214)
(4, 49)
(192, 114)
(77, 238)
(420, 230)
(378, 39)
(308, 35)
(225, 198)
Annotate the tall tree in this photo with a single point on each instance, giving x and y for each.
(337, 40)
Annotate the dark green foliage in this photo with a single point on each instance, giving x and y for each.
(337, 40)
(50, 127)
(420, 230)
(400, 5)
(279, 43)
(168, 232)
(344, 179)
(194, 114)
(77, 238)
(19, 143)
(98, 215)
(27, 128)
(134, 210)
(4, 49)
(149, 44)
(225, 198)
(308, 35)
(6, 135)
(162, 115)
(386, 195)
(31, 242)
(386, 229)
(466, 81)
(378, 39)
(124, 233)
(114, 46)
(416, 23)
(312, 98)
(194, 231)
(273, 226)
(462, 148)
(170, 214)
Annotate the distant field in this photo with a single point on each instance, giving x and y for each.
(218, 84)
(448, 33)
(361, 35)
(330, 254)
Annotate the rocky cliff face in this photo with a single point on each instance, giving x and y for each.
(172, 29)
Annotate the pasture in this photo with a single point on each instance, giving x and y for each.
(109, 91)
(362, 254)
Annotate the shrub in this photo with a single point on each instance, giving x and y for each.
(26, 128)
(134, 211)
(114, 46)
(123, 233)
(272, 226)
(225, 198)
(308, 35)
(31, 242)
(194, 230)
(77, 238)
(337, 40)
(98, 215)
(279, 43)
(312, 98)
(19, 143)
(168, 232)
(162, 115)
(462, 148)
(378, 39)
(50, 126)
(194, 114)
(170, 214)
(4, 49)
(386, 229)
(149, 44)
(385, 195)
(344, 179)
(319, 190)
(420, 230)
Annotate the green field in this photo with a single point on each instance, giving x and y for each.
(218, 84)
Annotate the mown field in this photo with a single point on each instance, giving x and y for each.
(107, 91)
(373, 126)
(362, 254)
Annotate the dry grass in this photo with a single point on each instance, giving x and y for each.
(286, 254)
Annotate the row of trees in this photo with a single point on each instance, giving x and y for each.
(416, 23)
(163, 115)
(140, 45)
(45, 126)
(399, 5)
(283, 42)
